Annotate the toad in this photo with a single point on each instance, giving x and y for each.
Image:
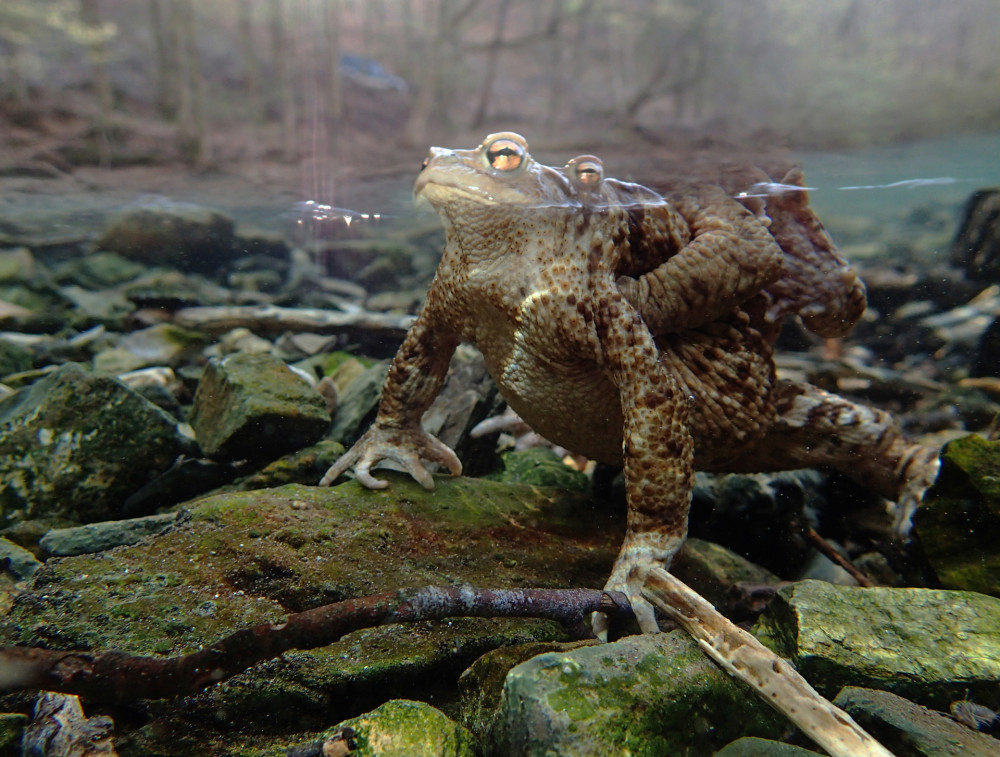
(635, 329)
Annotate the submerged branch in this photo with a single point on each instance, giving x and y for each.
(773, 678)
(121, 677)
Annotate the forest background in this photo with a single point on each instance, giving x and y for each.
(151, 82)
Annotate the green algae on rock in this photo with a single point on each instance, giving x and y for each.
(255, 407)
(76, 446)
(481, 684)
(244, 558)
(644, 695)
(404, 728)
(958, 523)
(539, 466)
(930, 645)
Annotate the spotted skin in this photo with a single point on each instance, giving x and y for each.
(633, 329)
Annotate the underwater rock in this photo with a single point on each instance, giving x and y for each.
(358, 403)
(12, 725)
(98, 271)
(957, 523)
(481, 684)
(97, 537)
(986, 361)
(930, 645)
(14, 358)
(17, 561)
(468, 397)
(909, 730)
(171, 290)
(253, 557)
(759, 515)
(976, 247)
(540, 466)
(404, 728)
(304, 466)
(186, 236)
(714, 572)
(650, 694)
(59, 727)
(255, 407)
(751, 746)
(76, 445)
(163, 344)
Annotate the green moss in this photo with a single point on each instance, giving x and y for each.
(243, 558)
(958, 523)
(659, 696)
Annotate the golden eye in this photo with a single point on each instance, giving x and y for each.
(586, 171)
(507, 152)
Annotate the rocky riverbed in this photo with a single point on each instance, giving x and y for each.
(175, 381)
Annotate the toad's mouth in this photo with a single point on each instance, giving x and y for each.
(438, 192)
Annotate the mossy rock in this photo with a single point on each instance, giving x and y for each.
(958, 524)
(539, 466)
(403, 728)
(240, 559)
(644, 696)
(929, 645)
(255, 407)
(77, 445)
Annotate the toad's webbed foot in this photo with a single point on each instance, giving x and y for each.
(408, 447)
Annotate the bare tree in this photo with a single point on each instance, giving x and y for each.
(250, 61)
(448, 16)
(165, 59)
(331, 25)
(492, 61)
(281, 51)
(191, 102)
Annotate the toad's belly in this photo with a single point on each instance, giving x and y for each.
(573, 405)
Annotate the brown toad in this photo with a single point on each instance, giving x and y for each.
(635, 330)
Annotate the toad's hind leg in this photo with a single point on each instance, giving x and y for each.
(815, 428)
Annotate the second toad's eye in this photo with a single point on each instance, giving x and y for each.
(586, 171)
(505, 154)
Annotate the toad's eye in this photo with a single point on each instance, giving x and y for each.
(586, 171)
(506, 154)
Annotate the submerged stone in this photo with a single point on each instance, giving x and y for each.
(253, 557)
(908, 730)
(16, 560)
(930, 645)
(97, 537)
(751, 746)
(76, 445)
(255, 407)
(541, 466)
(643, 695)
(187, 236)
(958, 522)
(404, 728)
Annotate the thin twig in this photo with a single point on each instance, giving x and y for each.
(827, 549)
(116, 676)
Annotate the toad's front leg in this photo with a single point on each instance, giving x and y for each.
(415, 378)
(658, 452)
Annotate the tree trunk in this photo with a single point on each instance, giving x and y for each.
(492, 62)
(98, 54)
(251, 64)
(335, 89)
(281, 50)
(191, 109)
